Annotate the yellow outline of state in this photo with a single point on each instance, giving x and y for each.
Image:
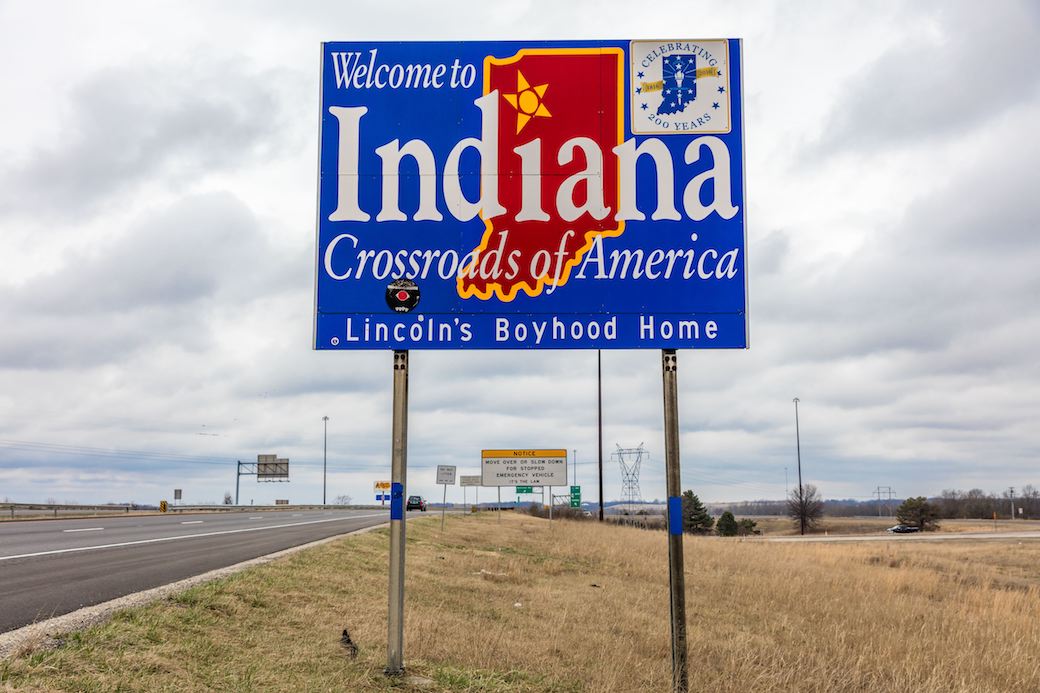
(495, 288)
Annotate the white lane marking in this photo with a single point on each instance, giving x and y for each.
(192, 522)
(297, 514)
(85, 529)
(256, 518)
(185, 536)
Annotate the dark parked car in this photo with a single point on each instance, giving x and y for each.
(416, 503)
(904, 529)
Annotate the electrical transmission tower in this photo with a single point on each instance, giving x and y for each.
(630, 460)
(884, 491)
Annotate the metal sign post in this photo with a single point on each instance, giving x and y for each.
(398, 473)
(446, 478)
(382, 491)
(473, 480)
(676, 576)
(269, 468)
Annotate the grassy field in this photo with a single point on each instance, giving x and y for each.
(518, 605)
(773, 525)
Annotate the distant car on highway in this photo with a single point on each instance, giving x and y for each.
(904, 529)
(416, 503)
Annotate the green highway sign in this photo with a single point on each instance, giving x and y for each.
(575, 490)
(525, 489)
(575, 496)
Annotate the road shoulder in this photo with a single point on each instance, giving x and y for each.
(44, 633)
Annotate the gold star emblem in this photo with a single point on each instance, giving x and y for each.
(527, 101)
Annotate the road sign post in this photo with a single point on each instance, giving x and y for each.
(472, 480)
(676, 576)
(446, 478)
(382, 491)
(398, 479)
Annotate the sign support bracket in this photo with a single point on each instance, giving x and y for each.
(398, 478)
(676, 575)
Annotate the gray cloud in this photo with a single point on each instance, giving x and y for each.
(124, 126)
(977, 64)
(156, 283)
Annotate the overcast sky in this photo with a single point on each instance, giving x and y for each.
(157, 206)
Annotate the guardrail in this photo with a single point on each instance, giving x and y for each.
(12, 510)
(260, 508)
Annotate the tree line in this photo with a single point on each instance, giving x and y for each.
(974, 504)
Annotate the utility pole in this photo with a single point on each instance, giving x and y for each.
(787, 489)
(801, 492)
(599, 400)
(325, 462)
(1011, 493)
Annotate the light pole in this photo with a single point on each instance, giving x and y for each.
(801, 492)
(325, 462)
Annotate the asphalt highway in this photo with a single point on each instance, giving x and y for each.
(53, 567)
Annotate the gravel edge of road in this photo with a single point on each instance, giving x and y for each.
(48, 633)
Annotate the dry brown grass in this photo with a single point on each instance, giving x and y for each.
(776, 526)
(521, 606)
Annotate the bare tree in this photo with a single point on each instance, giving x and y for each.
(228, 500)
(343, 500)
(805, 507)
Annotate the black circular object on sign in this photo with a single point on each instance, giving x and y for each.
(402, 295)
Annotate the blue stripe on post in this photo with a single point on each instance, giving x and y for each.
(674, 515)
(396, 501)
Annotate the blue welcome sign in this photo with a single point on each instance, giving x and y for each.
(549, 195)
